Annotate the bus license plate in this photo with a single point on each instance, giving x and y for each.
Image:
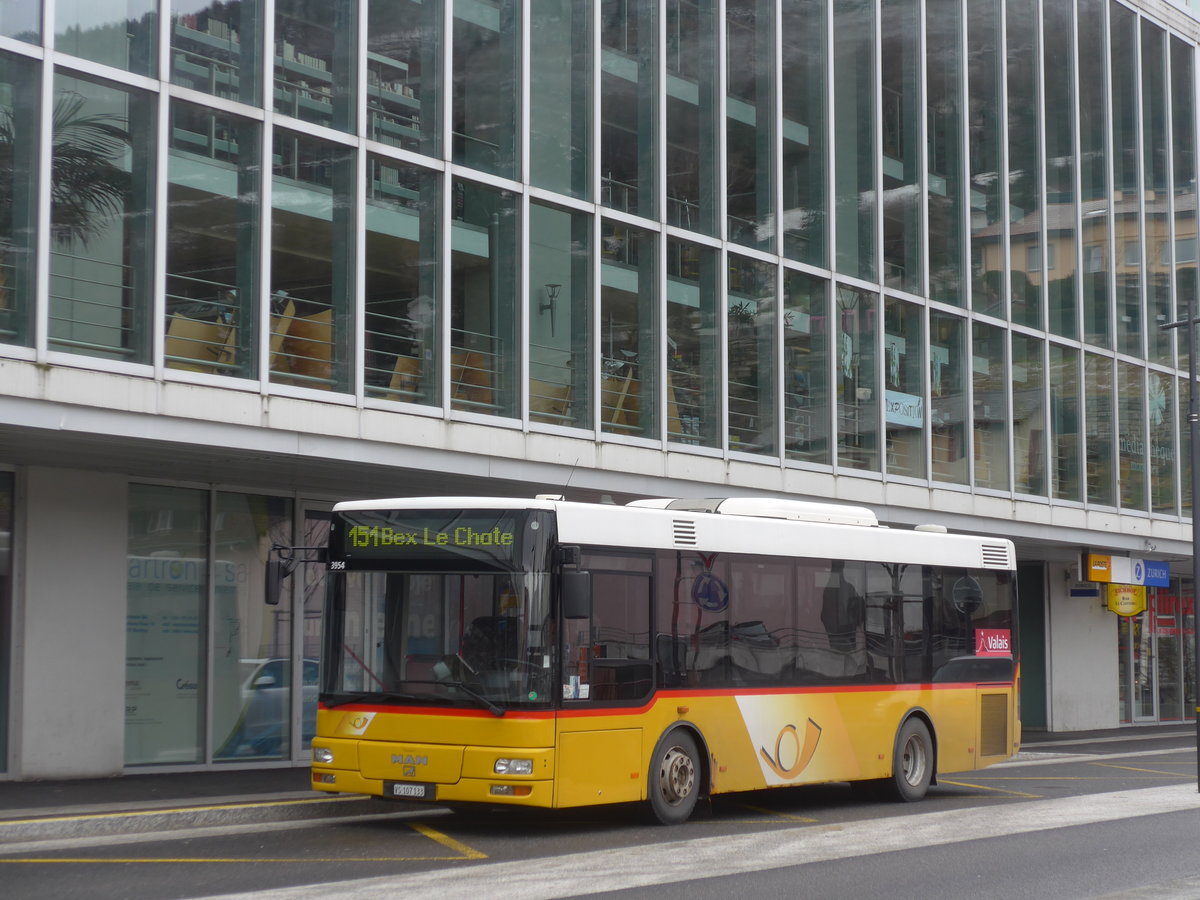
(409, 789)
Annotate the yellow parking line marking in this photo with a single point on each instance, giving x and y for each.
(446, 841)
(787, 817)
(1150, 771)
(984, 787)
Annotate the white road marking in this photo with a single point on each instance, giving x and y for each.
(685, 860)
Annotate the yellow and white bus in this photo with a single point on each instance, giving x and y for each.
(556, 654)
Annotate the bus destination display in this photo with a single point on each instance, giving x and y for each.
(440, 537)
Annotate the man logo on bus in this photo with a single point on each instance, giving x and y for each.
(799, 757)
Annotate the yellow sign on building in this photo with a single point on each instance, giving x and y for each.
(1126, 599)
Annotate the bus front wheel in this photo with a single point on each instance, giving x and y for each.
(674, 778)
(912, 762)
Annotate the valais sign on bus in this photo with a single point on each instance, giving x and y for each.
(993, 642)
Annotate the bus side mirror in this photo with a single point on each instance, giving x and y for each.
(277, 570)
(576, 594)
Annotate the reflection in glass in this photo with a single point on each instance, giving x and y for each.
(19, 92)
(1095, 207)
(21, 20)
(628, 105)
(990, 380)
(751, 319)
(215, 47)
(692, 114)
(1131, 412)
(404, 40)
(1024, 165)
(984, 81)
(948, 391)
(694, 360)
(804, 218)
(314, 61)
(855, 375)
(483, 308)
(629, 325)
(806, 367)
(1100, 412)
(402, 292)
(904, 388)
(1182, 404)
(118, 33)
(1029, 414)
(1065, 396)
(167, 596)
(1183, 161)
(854, 91)
(1058, 80)
(311, 263)
(1156, 178)
(560, 316)
(1129, 321)
(6, 555)
(944, 150)
(749, 114)
(487, 85)
(1162, 442)
(212, 242)
(251, 669)
(900, 31)
(101, 220)
(560, 96)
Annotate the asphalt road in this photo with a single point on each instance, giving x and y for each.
(1113, 818)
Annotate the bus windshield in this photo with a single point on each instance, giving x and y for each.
(474, 639)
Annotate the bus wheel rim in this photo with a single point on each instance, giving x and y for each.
(914, 760)
(677, 776)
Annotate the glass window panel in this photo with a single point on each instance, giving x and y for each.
(1065, 397)
(19, 93)
(854, 91)
(403, 285)
(1029, 414)
(904, 388)
(948, 393)
(251, 667)
(1183, 158)
(312, 255)
(314, 61)
(749, 114)
(751, 328)
(560, 96)
(629, 317)
(628, 105)
(487, 84)
(990, 379)
(944, 150)
(101, 220)
(404, 67)
(855, 376)
(1101, 412)
(984, 81)
(21, 20)
(1126, 186)
(7, 520)
(1058, 79)
(694, 359)
(804, 218)
(900, 28)
(1131, 383)
(483, 309)
(213, 172)
(806, 367)
(1024, 164)
(118, 33)
(1095, 201)
(215, 47)
(1162, 443)
(691, 100)
(560, 316)
(1156, 163)
(165, 624)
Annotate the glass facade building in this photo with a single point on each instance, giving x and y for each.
(889, 250)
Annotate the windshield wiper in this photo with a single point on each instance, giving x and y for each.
(495, 710)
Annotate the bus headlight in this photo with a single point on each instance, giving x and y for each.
(322, 755)
(513, 767)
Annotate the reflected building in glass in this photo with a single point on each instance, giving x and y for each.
(257, 256)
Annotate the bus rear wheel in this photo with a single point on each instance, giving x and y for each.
(912, 762)
(674, 778)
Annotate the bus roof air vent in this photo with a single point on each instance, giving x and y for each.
(685, 532)
(798, 511)
(995, 556)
